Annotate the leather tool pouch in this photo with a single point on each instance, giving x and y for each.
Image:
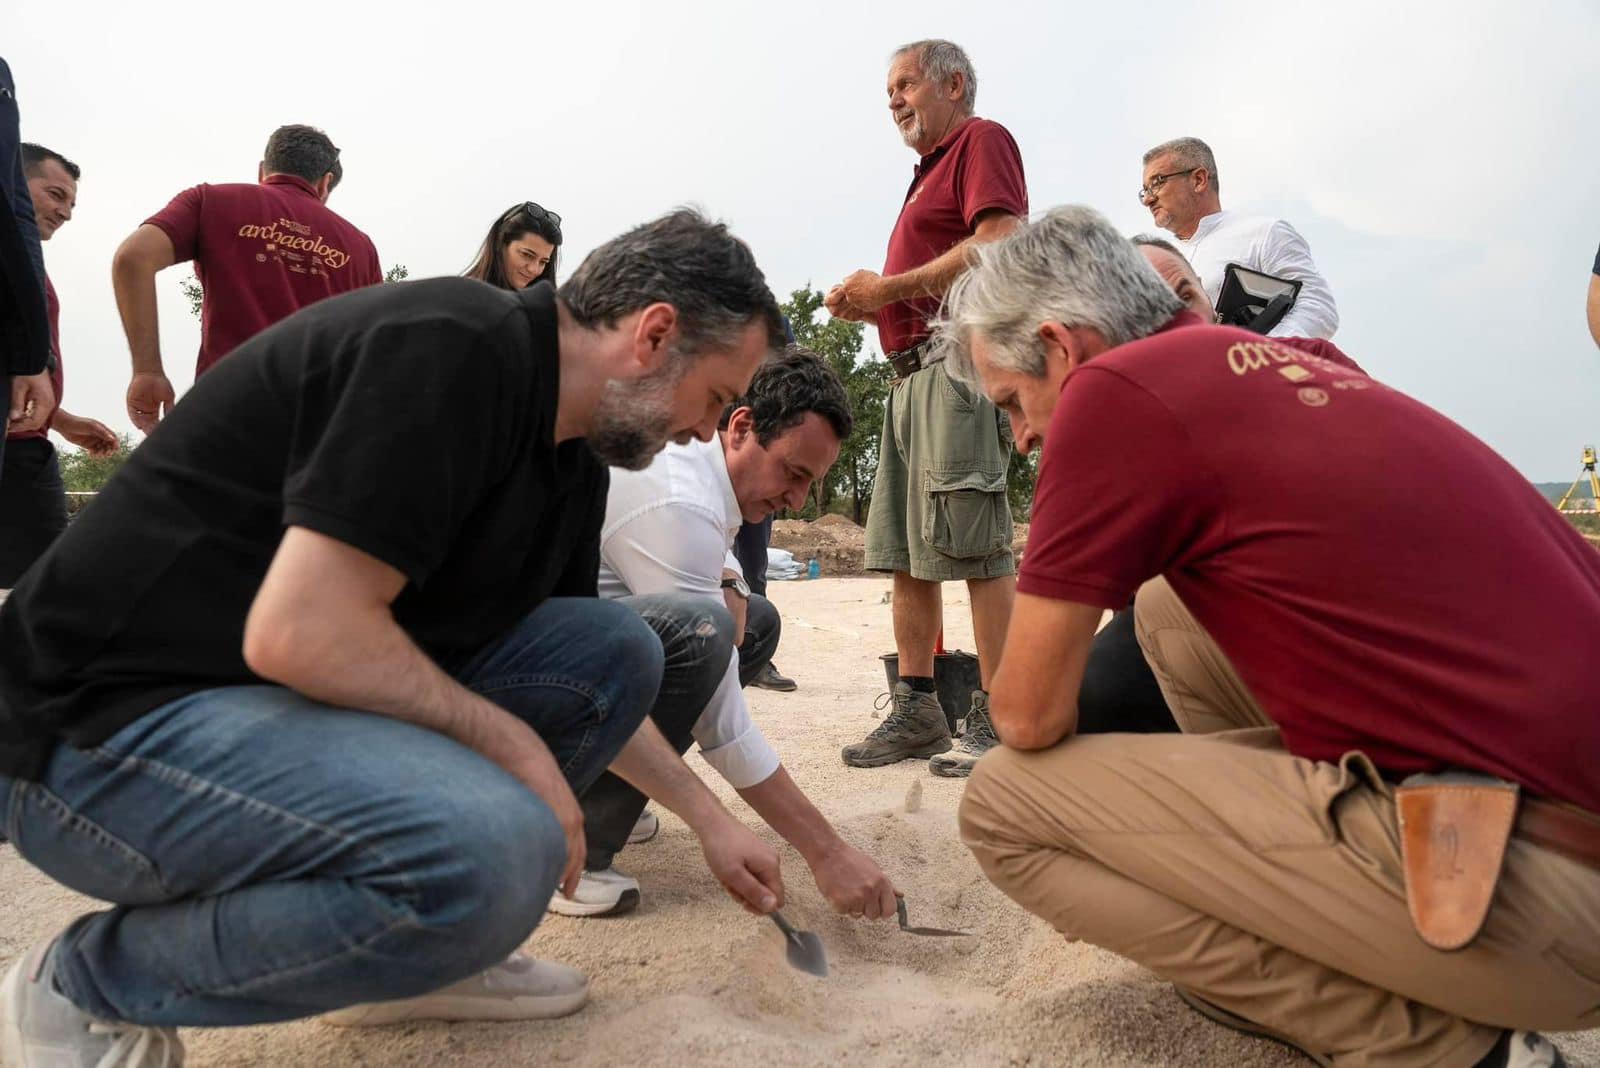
(1453, 833)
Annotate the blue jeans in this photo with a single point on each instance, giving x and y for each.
(271, 857)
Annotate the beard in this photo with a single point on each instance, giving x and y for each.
(911, 134)
(633, 418)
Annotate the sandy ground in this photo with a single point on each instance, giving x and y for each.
(691, 979)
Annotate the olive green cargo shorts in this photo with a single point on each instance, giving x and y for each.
(939, 508)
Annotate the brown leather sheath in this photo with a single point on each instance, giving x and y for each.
(1453, 833)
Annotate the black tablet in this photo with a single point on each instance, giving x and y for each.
(1254, 300)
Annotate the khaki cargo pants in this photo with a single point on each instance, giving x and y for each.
(939, 508)
(1271, 885)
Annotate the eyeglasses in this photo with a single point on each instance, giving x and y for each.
(533, 211)
(1148, 191)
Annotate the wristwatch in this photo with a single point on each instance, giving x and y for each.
(737, 585)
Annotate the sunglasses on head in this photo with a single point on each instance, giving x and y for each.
(533, 211)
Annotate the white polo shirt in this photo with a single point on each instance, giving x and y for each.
(669, 529)
(1273, 247)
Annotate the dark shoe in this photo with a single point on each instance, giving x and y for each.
(915, 727)
(976, 740)
(769, 679)
(1523, 1049)
(1218, 1014)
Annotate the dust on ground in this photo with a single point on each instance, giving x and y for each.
(690, 979)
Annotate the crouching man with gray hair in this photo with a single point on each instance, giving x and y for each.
(1292, 862)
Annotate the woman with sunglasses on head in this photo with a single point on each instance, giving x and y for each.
(520, 249)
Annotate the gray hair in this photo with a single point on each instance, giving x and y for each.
(1191, 152)
(685, 260)
(1157, 241)
(939, 61)
(1070, 266)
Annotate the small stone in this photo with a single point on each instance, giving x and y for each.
(914, 796)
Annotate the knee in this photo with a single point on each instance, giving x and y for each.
(695, 635)
(979, 813)
(762, 621)
(501, 855)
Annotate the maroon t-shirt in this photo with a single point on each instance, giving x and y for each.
(974, 169)
(1380, 578)
(57, 377)
(262, 252)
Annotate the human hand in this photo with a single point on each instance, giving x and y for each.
(523, 753)
(854, 884)
(840, 306)
(150, 397)
(32, 401)
(90, 435)
(747, 867)
(864, 292)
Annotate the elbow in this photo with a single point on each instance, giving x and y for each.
(1021, 725)
(277, 647)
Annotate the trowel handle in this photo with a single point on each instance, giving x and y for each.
(783, 925)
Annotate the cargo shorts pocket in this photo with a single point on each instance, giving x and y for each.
(965, 517)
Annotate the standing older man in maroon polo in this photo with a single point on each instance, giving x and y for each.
(939, 510)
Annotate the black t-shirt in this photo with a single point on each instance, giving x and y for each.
(414, 422)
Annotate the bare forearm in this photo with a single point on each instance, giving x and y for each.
(651, 765)
(932, 279)
(135, 287)
(1594, 308)
(779, 801)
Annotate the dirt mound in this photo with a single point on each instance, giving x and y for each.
(838, 545)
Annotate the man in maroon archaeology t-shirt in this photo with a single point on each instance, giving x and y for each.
(261, 252)
(939, 509)
(1347, 586)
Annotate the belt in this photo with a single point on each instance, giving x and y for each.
(908, 362)
(1560, 828)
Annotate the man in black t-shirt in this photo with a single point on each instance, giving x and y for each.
(309, 691)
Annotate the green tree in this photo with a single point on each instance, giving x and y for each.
(866, 381)
(83, 473)
(397, 273)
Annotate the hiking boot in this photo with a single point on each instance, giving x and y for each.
(518, 988)
(646, 827)
(915, 727)
(600, 893)
(40, 1028)
(976, 740)
(769, 679)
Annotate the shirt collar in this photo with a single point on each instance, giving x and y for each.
(734, 515)
(943, 146)
(291, 179)
(1207, 224)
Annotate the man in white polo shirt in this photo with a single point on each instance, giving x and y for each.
(1181, 190)
(670, 528)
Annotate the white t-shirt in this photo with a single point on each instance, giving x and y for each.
(1273, 247)
(669, 529)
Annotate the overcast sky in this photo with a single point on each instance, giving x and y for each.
(1442, 159)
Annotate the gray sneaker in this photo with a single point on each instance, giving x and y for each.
(915, 727)
(40, 1028)
(976, 740)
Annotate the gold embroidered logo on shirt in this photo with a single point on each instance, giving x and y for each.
(289, 237)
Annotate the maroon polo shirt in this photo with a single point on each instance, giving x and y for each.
(1314, 521)
(977, 167)
(57, 377)
(262, 252)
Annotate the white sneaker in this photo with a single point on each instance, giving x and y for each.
(1529, 1049)
(40, 1028)
(518, 988)
(600, 893)
(645, 828)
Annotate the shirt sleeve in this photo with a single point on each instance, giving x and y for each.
(358, 453)
(674, 546)
(180, 221)
(1285, 254)
(990, 175)
(728, 737)
(1121, 497)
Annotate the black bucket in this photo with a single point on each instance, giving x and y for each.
(955, 676)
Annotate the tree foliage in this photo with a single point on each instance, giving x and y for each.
(83, 473)
(866, 381)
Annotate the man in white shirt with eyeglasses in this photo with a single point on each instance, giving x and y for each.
(1181, 190)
